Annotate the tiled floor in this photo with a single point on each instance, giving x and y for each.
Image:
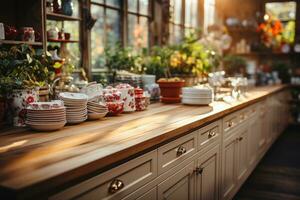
(277, 176)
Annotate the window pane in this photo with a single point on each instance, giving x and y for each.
(113, 26)
(176, 10)
(282, 10)
(115, 3)
(209, 13)
(132, 25)
(188, 9)
(176, 34)
(76, 8)
(144, 7)
(132, 5)
(97, 36)
(98, 1)
(143, 36)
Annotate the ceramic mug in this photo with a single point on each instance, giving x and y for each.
(19, 100)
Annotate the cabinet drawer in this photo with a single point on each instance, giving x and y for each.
(175, 152)
(115, 183)
(230, 122)
(243, 115)
(209, 134)
(252, 110)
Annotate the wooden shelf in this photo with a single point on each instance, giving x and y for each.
(251, 54)
(15, 42)
(62, 41)
(61, 17)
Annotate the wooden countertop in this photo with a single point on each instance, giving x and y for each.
(40, 161)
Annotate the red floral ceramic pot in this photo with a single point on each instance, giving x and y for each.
(19, 100)
(127, 95)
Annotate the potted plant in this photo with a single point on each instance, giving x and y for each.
(170, 89)
(22, 71)
(234, 65)
(118, 58)
(190, 60)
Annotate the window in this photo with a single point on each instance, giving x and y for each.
(138, 19)
(286, 13)
(111, 27)
(107, 29)
(183, 18)
(209, 13)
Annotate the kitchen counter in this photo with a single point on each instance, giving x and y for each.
(35, 162)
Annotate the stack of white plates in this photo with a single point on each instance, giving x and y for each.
(46, 116)
(76, 106)
(197, 95)
(96, 110)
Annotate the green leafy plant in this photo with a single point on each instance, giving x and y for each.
(22, 67)
(234, 65)
(157, 60)
(190, 58)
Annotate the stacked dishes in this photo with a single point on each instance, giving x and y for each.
(46, 116)
(96, 110)
(76, 106)
(197, 95)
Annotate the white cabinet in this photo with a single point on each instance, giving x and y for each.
(253, 138)
(242, 152)
(207, 175)
(234, 161)
(178, 186)
(228, 167)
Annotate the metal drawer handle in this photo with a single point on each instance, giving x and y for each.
(181, 150)
(211, 134)
(115, 186)
(198, 170)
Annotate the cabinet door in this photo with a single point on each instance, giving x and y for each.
(179, 186)
(253, 139)
(143, 194)
(228, 167)
(242, 153)
(207, 175)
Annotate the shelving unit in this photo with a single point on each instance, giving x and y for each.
(61, 17)
(14, 42)
(63, 41)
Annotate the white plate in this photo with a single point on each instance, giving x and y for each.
(94, 116)
(197, 90)
(196, 101)
(46, 126)
(69, 96)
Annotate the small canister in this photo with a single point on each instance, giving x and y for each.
(140, 100)
(2, 32)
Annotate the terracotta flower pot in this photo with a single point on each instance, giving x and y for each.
(170, 90)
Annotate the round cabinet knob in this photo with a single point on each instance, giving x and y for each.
(181, 150)
(240, 138)
(211, 134)
(115, 186)
(230, 124)
(198, 170)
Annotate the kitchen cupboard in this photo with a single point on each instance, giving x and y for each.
(207, 175)
(209, 163)
(178, 186)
